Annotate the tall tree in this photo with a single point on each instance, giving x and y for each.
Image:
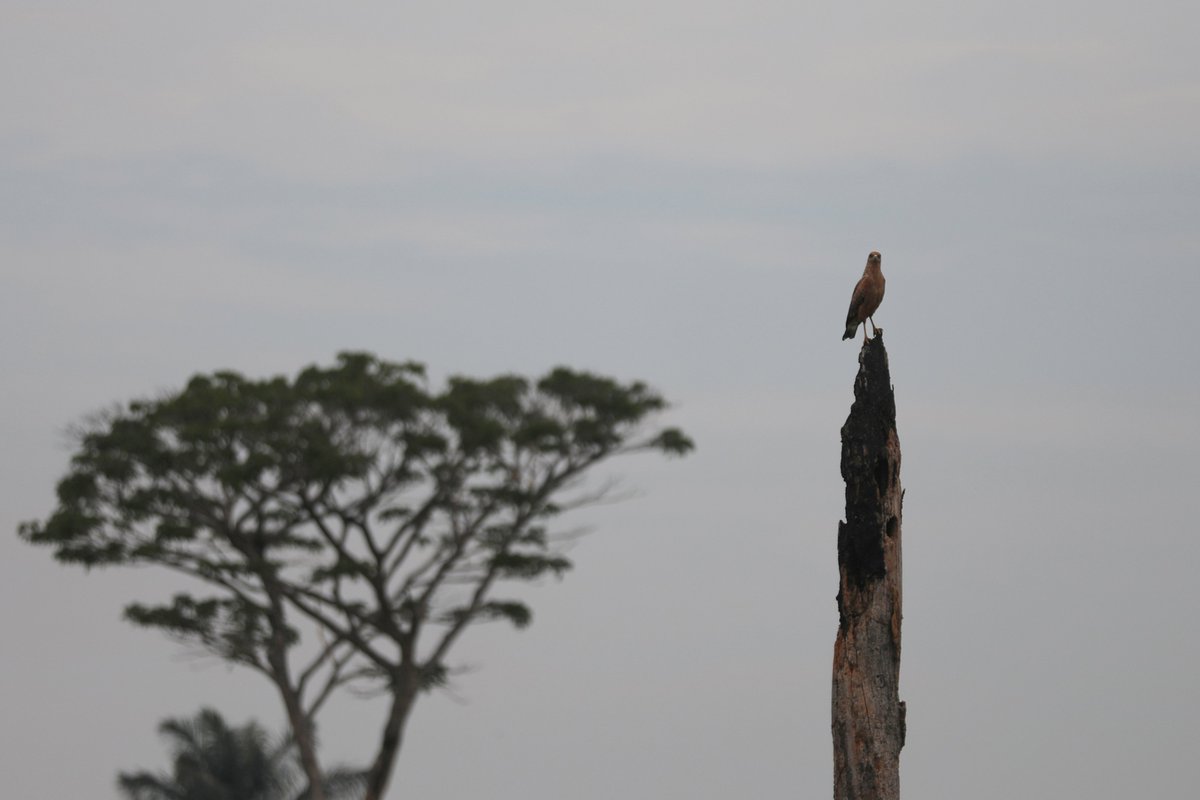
(352, 501)
(212, 761)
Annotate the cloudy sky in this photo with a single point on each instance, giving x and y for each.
(683, 192)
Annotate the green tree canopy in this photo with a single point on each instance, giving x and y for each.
(353, 500)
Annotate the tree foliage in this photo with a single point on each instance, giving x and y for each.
(212, 761)
(352, 498)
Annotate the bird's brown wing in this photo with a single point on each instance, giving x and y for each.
(856, 301)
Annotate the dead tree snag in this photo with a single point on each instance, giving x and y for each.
(868, 717)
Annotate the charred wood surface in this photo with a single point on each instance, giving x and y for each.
(868, 717)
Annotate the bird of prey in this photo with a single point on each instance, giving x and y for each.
(868, 294)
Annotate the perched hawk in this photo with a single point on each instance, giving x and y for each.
(868, 294)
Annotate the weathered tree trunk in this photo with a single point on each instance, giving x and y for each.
(868, 717)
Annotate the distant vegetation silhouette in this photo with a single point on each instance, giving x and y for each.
(342, 529)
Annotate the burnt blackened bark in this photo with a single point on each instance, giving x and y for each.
(868, 717)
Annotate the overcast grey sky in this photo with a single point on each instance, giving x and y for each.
(683, 192)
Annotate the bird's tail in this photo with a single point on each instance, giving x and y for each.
(851, 329)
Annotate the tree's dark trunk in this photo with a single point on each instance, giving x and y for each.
(306, 745)
(868, 717)
(300, 723)
(393, 735)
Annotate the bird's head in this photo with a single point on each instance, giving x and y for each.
(874, 257)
